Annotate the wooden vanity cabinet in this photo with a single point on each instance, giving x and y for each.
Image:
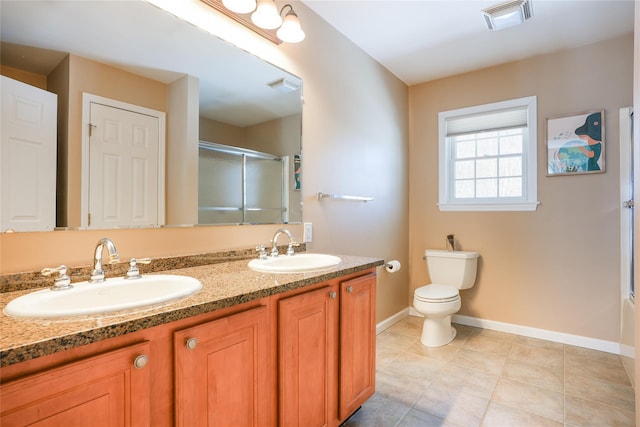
(357, 342)
(326, 352)
(307, 368)
(301, 358)
(110, 389)
(222, 375)
(137, 397)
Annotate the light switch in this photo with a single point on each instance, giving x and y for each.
(308, 232)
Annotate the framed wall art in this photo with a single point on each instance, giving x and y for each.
(575, 144)
(297, 172)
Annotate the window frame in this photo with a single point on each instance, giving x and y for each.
(529, 200)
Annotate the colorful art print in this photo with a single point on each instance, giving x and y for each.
(575, 144)
(297, 172)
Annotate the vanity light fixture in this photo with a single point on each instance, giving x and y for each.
(266, 16)
(508, 14)
(264, 20)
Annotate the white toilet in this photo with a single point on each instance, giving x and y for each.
(450, 271)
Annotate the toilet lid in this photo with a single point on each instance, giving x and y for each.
(437, 293)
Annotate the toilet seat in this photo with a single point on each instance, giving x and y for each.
(436, 293)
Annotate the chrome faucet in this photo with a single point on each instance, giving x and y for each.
(274, 241)
(97, 275)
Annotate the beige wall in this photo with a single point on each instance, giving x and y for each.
(221, 133)
(27, 77)
(355, 141)
(556, 268)
(181, 189)
(58, 83)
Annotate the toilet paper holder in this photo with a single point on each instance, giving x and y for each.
(392, 266)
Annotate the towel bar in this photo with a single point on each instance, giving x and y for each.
(343, 197)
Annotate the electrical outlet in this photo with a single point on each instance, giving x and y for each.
(308, 232)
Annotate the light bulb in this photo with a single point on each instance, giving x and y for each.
(240, 6)
(291, 31)
(266, 15)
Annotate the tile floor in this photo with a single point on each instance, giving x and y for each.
(489, 378)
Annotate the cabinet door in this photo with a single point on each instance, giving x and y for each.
(307, 332)
(108, 390)
(221, 371)
(357, 342)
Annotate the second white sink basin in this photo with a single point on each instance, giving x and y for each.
(298, 263)
(112, 295)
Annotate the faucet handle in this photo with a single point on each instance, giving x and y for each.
(134, 271)
(262, 251)
(292, 244)
(62, 281)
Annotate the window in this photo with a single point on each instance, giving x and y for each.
(488, 157)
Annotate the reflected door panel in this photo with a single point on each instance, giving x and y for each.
(123, 149)
(27, 157)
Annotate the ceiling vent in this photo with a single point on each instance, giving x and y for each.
(507, 14)
(284, 85)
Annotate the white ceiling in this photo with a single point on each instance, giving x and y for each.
(422, 40)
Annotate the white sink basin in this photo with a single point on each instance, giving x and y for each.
(298, 263)
(112, 295)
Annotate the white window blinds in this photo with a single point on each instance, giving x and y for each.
(508, 118)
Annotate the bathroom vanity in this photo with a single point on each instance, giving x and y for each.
(249, 349)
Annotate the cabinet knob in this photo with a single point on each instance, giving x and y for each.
(140, 361)
(349, 289)
(332, 295)
(192, 343)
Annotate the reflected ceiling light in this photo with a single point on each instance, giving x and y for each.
(507, 14)
(266, 15)
(290, 31)
(240, 6)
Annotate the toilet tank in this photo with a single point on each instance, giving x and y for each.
(454, 268)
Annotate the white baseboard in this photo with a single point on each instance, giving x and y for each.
(560, 337)
(526, 331)
(390, 321)
(627, 351)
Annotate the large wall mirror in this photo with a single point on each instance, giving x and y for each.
(205, 122)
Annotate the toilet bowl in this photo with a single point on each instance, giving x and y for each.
(437, 303)
(450, 271)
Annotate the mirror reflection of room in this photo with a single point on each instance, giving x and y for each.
(229, 96)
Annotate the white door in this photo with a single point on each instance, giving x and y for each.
(27, 157)
(123, 165)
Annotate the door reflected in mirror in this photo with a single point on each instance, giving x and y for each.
(209, 90)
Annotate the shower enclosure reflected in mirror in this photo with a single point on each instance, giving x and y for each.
(167, 65)
(241, 186)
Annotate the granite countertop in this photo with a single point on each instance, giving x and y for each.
(223, 285)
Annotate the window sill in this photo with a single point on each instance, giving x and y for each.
(489, 207)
